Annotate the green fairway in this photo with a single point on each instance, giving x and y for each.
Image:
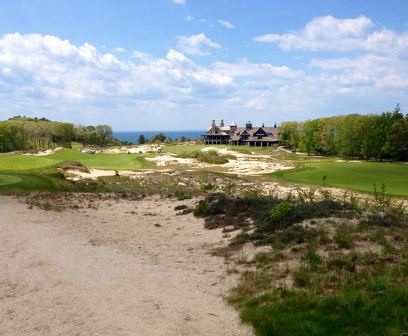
(182, 149)
(97, 161)
(353, 175)
(9, 179)
(25, 182)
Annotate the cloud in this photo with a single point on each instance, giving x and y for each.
(330, 33)
(226, 24)
(327, 33)
(46, 66)
(48, 76)
(198, 44)
(179, 2)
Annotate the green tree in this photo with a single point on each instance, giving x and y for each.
(141, 140)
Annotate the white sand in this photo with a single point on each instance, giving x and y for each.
(111, 272)
(244, 164)
(45, 152)
(171, 159)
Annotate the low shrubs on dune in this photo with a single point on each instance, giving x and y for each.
(317, 280)
(74, 165)
(211, 156)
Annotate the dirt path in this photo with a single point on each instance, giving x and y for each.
(128, 268)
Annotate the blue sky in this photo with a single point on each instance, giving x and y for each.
(177, 64)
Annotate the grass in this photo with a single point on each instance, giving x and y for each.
(353, 175)
(19, 162)
(348, 312)
(28, 172)
(332, 284)
(11, 182)
(182, 149)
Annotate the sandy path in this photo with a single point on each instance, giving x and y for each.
(111, 272)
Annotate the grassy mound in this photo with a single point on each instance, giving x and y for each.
(210, 156)
(330, 268)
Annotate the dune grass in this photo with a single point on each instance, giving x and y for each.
(333, 286)
(353, 175)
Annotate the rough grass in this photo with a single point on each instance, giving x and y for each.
(312, 281)
(353, 175)
(347, 312)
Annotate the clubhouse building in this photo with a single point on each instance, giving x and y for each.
(244, 136)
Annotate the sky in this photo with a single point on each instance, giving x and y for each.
(178, 64)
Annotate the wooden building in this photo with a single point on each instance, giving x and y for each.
(243, 136)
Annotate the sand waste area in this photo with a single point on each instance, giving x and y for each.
(111, 266)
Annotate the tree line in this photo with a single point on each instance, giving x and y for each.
(378, 137)
(22, 133)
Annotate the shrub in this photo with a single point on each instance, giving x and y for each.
(301, 277)
(280, 211)
(200, 209)
(346, 262)
(297, 234)
(344, 237)
(181, 195)
(180, 207)
(313, 258)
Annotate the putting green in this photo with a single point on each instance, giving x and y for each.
(9, 179)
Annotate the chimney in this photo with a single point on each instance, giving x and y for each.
(222, 123)
(213, 123)
(248, 125)
(263, 125)
(233, 128)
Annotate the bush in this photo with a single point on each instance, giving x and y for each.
(313, 258)
(200, 209)
(297, 234)
(280, 211)
(344, 237)
(211, 156)
(180, 207)
(181, 195)
(302, 277)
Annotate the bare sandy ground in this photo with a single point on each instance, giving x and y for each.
(45, 152)
(127, 268)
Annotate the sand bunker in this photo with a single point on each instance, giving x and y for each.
(244, 164)
(170, 159)
(142, 149)
(45, 152)
(256, 166)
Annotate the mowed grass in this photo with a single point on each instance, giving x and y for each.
(97, 161)
(26, 182)
(353, 175)
(182, 149)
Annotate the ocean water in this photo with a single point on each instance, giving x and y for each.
(133, 136)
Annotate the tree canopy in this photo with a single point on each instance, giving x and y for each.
(377, 137)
